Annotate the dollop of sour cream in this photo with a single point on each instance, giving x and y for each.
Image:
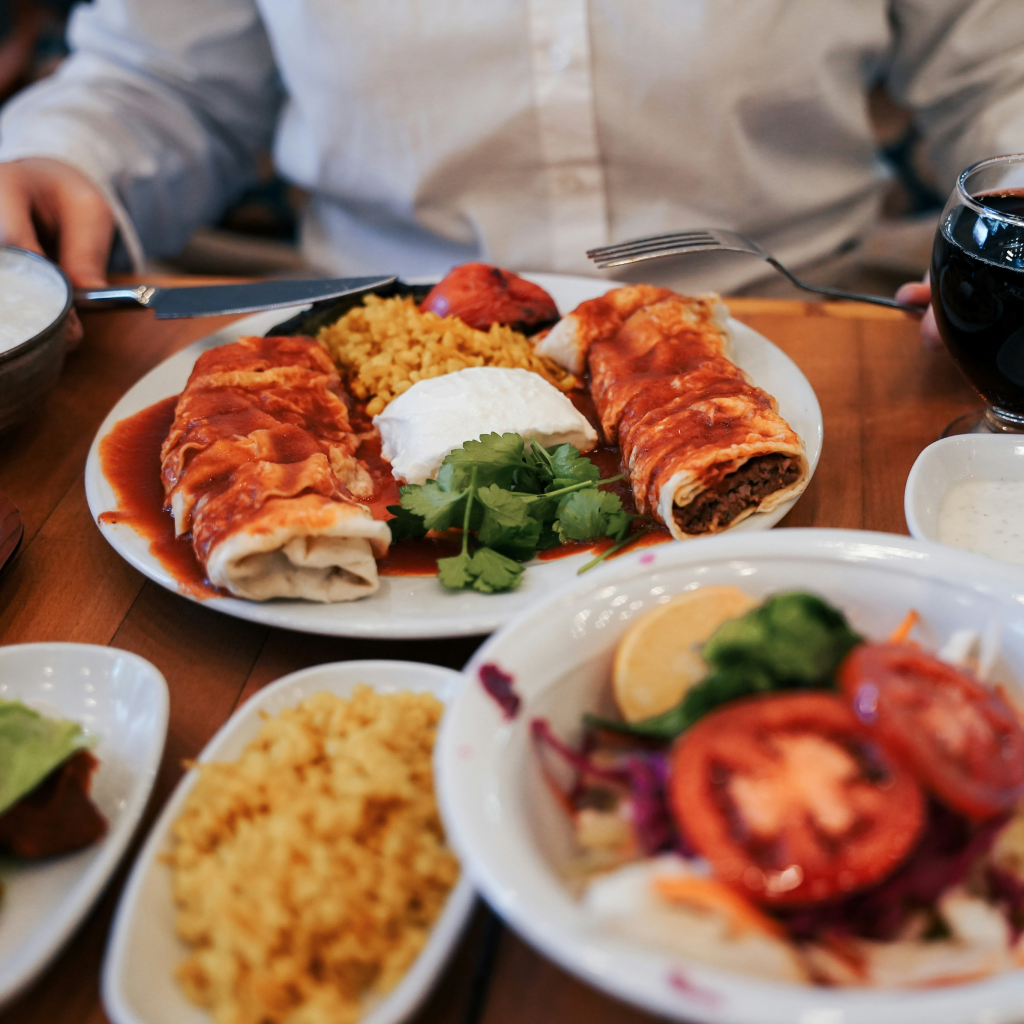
(32, 296)
(986, 516)
(435, 416)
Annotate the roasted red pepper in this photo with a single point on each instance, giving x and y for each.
(481, 295)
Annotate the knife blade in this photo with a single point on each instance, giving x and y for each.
(212, 299)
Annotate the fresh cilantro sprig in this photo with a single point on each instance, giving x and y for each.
(616, 547)
(510, 499)
(486, 570)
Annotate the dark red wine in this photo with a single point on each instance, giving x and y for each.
(978, 297)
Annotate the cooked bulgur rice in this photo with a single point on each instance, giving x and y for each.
(308, 872)
(385, 346)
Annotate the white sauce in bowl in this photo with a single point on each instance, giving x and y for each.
(986, 516)
(32, 296)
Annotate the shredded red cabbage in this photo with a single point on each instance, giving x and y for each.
(681, 983)
(642, 773)
(1008, 891)
(499, 685)
(948, 847)
(648, 777)
(544, 734)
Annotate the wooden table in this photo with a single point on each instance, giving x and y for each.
(883, 397)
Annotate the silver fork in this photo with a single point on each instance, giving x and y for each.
(680, 243)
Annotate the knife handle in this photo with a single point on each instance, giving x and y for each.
(115, 298)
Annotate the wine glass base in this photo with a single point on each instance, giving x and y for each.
(980, 421)
(970, 423)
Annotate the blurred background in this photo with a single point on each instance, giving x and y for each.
(257, 235)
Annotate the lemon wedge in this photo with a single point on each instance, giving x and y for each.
(658, 659)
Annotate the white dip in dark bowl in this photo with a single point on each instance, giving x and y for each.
(35, 304)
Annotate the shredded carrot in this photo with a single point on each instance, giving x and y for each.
(902, 631)
(709, 894)
(944, 980)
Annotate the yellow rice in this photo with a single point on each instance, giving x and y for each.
(308, 872)
(385, 346)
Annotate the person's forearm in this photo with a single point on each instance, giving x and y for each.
(163, 112)
(959, 65)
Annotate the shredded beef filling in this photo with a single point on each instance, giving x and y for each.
(748, 486)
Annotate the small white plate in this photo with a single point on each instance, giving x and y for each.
(418, 606)
(513, 838)
(138, 971)
(995, 457)
(120, 699)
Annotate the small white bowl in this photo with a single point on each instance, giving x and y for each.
(942, 464)
(138, 971)
(514, 839)
(120, 699)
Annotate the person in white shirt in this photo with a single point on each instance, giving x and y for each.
(517, 132)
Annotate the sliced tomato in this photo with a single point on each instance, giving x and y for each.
(790, 800)
(959, 738)
(481, 295)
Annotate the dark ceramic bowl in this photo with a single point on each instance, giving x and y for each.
(29, 371)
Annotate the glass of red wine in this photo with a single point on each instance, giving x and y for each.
(977, 278)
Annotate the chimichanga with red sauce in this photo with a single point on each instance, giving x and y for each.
(260, 466)
(703, 446)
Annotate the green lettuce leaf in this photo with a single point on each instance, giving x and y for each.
(794, 638)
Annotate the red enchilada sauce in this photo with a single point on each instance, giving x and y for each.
(130, 461)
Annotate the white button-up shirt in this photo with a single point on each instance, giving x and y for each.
(520, 132)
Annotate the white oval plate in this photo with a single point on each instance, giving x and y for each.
(418, 606)
(138, 971)
(120, 699)
(512, 837)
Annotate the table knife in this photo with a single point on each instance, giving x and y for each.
(212, 299)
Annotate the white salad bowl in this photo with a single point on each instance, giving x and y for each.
(512, 837)
(120, 700)
(138, 972)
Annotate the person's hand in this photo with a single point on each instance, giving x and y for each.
(51, 208)
(919, 293)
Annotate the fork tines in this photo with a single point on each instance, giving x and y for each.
(628, 252)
